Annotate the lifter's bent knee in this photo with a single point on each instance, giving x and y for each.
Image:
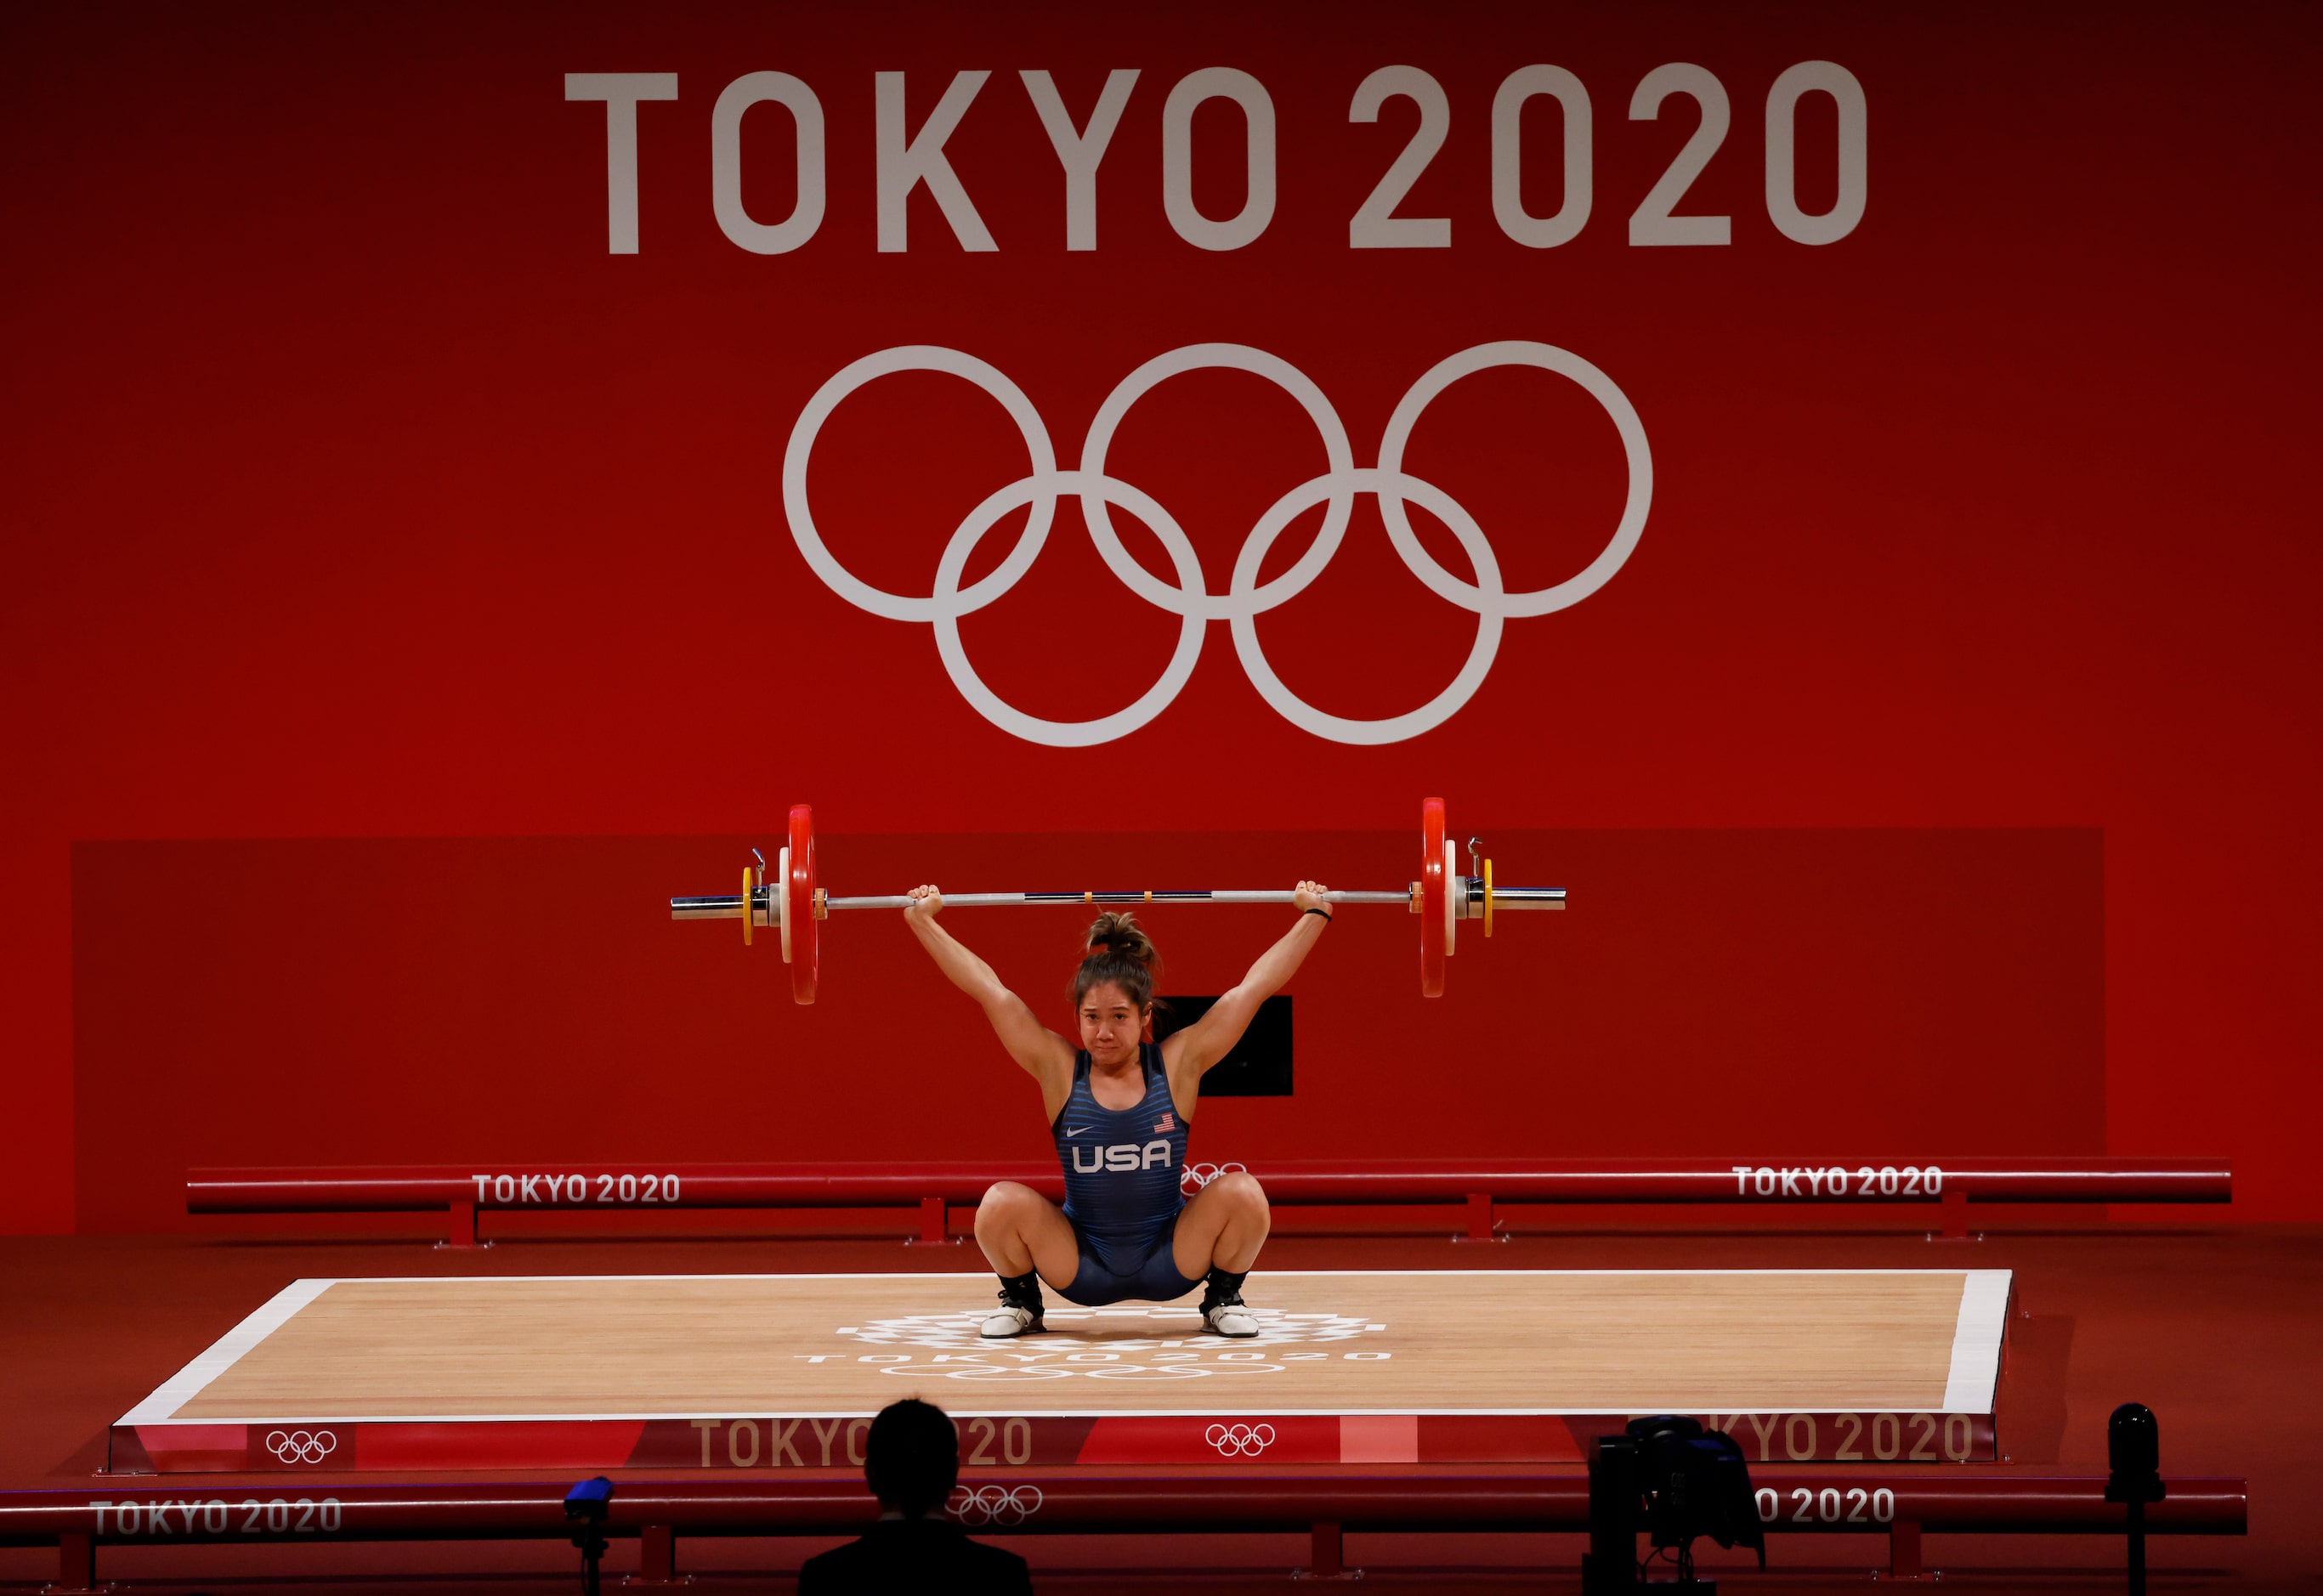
(1243, 1195)
(1005, 1206)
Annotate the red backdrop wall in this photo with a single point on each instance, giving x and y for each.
(357, 492)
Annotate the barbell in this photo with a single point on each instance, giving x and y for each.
(789, 899)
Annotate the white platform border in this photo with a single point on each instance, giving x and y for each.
(1976, 1342)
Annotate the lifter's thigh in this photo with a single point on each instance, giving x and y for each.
(1225, 1224)
(1038, 1228)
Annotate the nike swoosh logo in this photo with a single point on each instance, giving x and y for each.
(1083, 1131)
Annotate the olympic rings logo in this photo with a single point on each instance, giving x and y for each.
(1239, 1440)
(1197, 1176)
(304, 1446)
(994, 1504)
(1246, 597)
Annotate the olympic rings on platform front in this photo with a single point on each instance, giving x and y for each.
(304, 1446)
(1239, 1440)
(1197, 1176)
(994, 1504)
(1246, 597)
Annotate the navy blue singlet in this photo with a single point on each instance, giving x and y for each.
(1121, 1168)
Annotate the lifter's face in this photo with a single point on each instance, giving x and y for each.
(1111, 1025)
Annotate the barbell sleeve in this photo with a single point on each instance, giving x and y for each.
(729, 907)
(1521, 897)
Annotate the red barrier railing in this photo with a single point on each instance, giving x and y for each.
(462, 1191)
(1324, 1506)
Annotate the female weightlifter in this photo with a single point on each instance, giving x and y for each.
(1119, 1108)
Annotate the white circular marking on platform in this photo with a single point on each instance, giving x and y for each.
(1090, 1342)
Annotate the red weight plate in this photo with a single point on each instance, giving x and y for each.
(1432, 888)
(798, 894)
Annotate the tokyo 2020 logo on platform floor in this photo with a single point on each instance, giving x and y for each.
(1128, 1344)
(1246, 597)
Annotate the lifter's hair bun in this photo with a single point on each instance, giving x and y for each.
(1122, 934)
(1118, 952)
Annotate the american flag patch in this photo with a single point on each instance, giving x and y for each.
(1165, 1124)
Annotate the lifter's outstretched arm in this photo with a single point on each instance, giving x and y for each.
(1189, 1052)
(1045, 1055)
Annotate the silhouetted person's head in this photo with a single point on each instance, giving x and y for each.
(911, 1459)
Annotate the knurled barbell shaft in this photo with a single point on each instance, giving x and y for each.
(730, 906)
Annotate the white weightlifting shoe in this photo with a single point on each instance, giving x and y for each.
(1228, 1316)
(1010, 1320)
